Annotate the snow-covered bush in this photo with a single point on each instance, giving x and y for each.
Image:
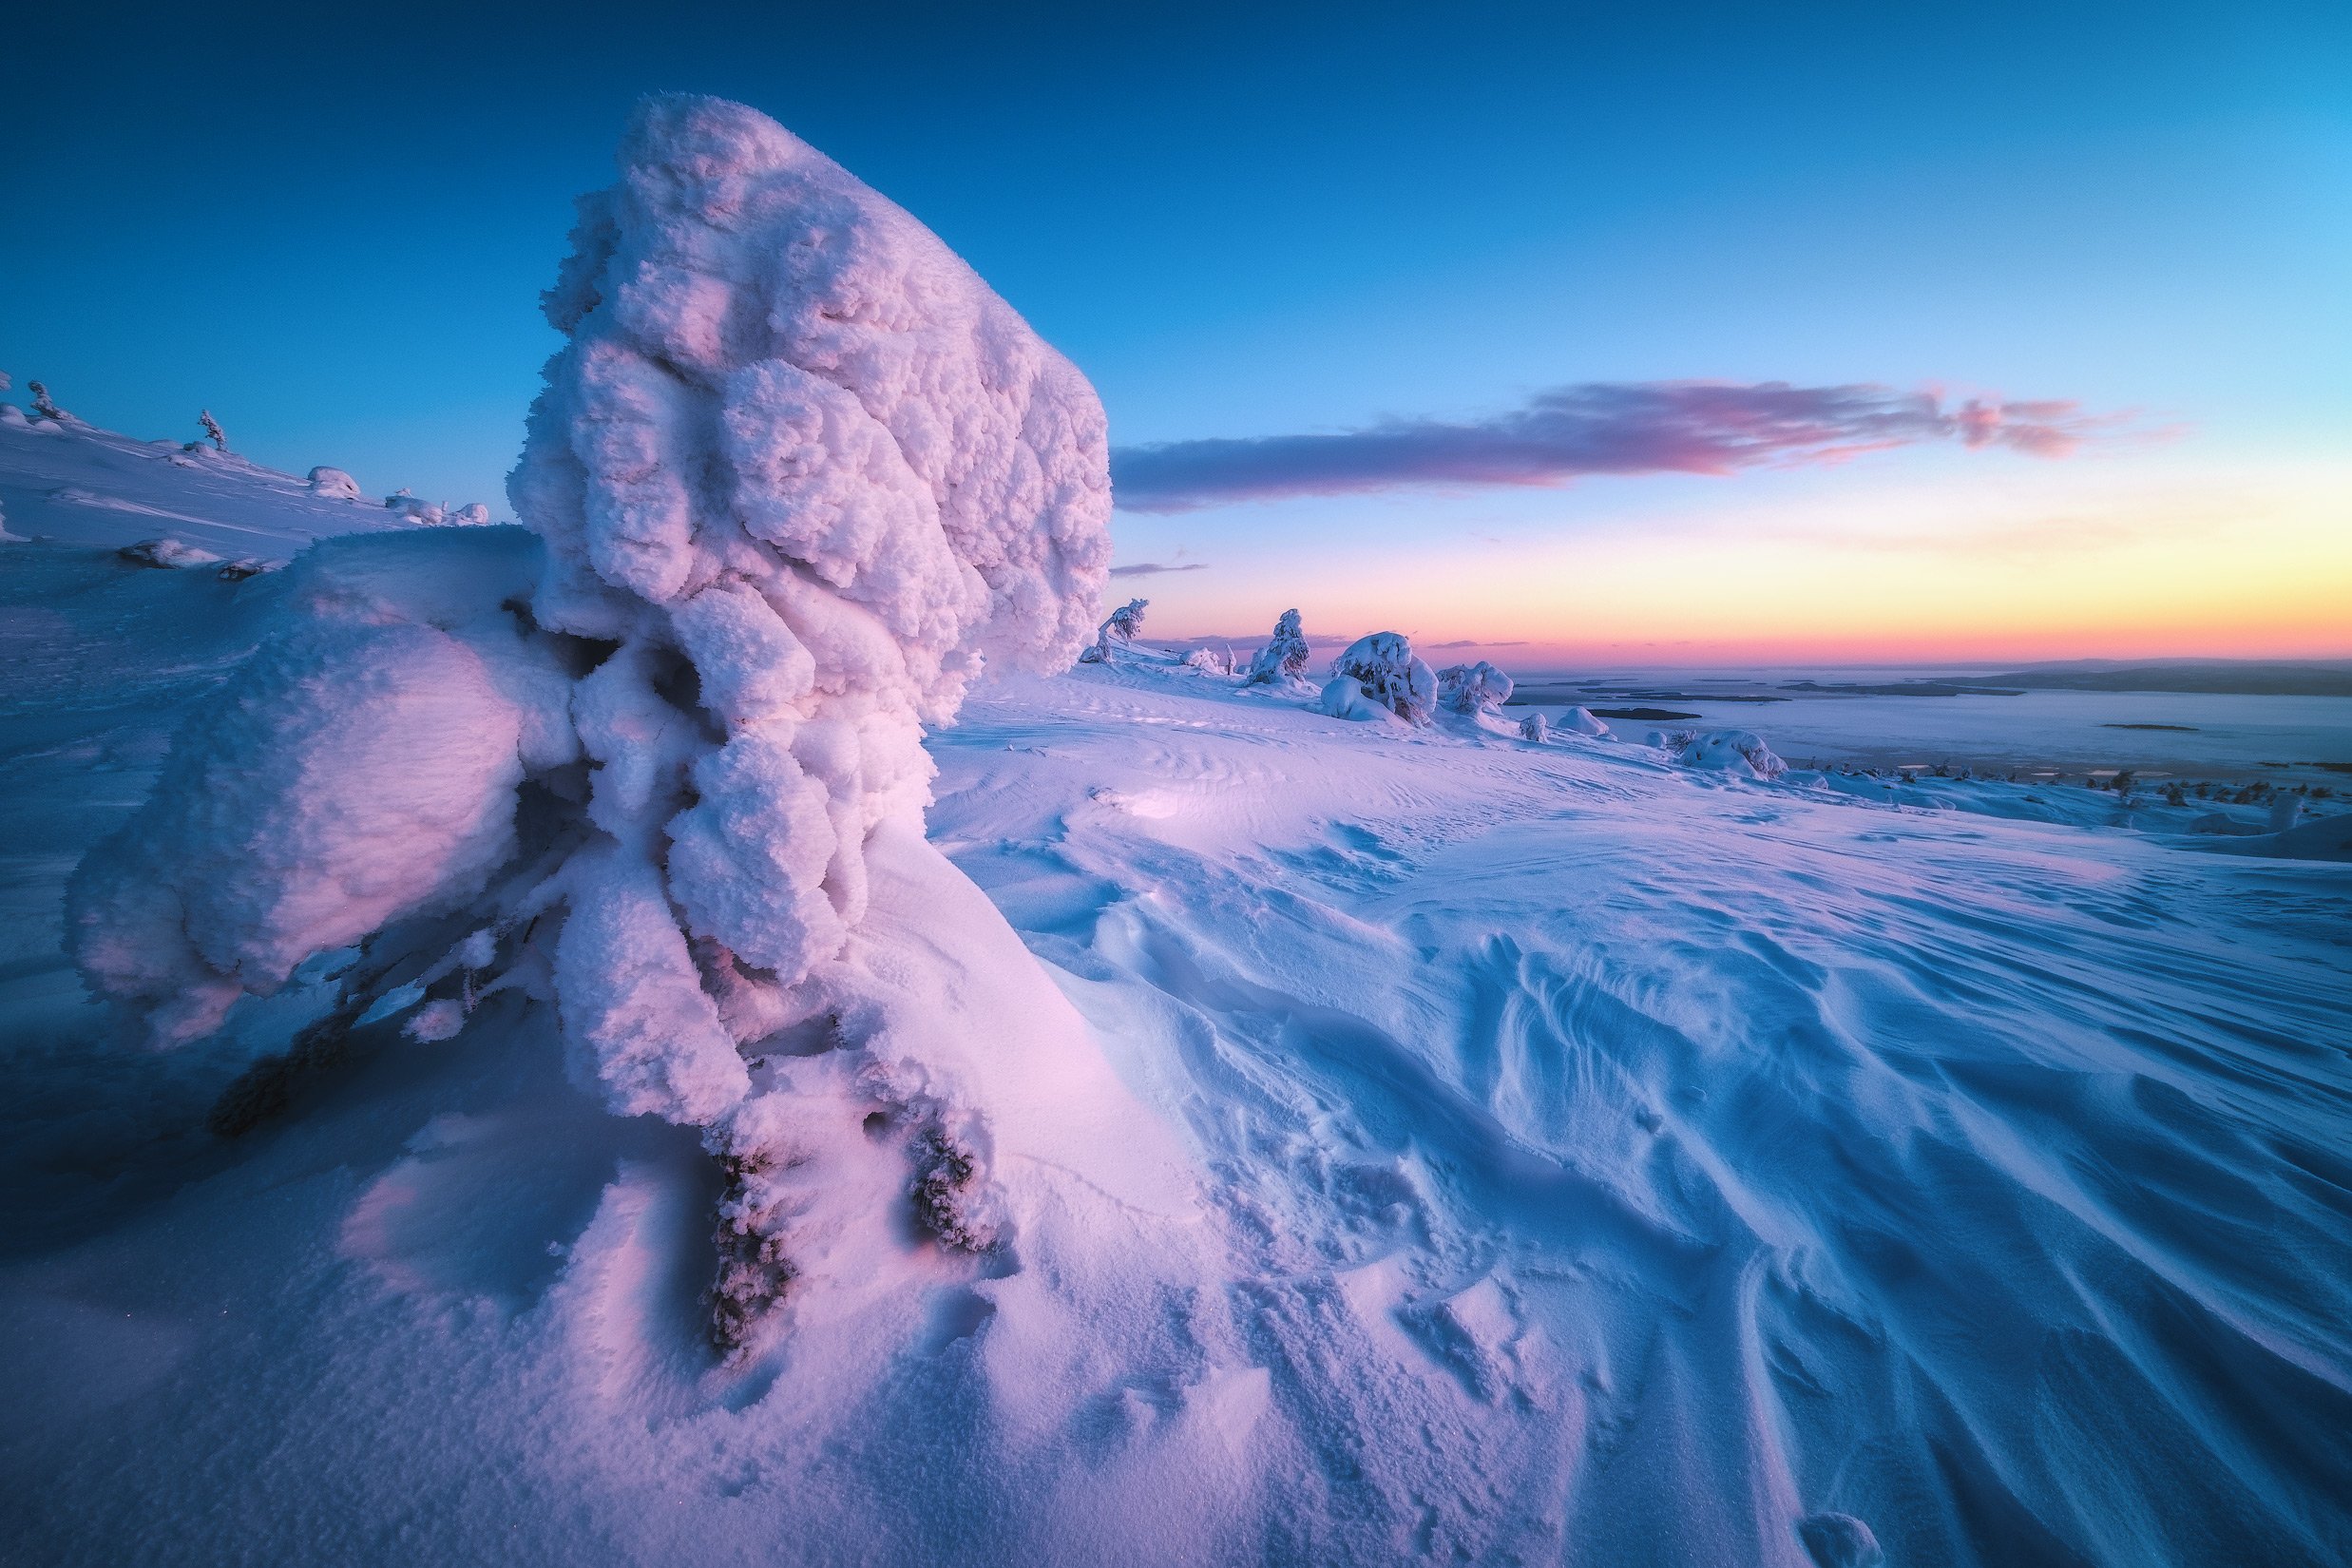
(1285, 657)
(44, 405)
(413, 508)
(1731, 750)
(1384, 670)
(1535, 727)
(1210, 660)
(1121, 625)
(1473, 688)
(334, 485)
(472, 515)
(795, 478)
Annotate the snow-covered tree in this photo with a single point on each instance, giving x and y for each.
(1381, 669)
(44, 405)
(1285, 656)
(1535, 727)
(1473, 688)
(1121, 625)
(796, 475)
(414, 508)
(213, 433)
(1728, 751)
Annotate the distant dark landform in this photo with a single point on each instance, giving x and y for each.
(2214, 680)
(1551, 692)
(1652, 714)
(1900, 688)
(2185, 729)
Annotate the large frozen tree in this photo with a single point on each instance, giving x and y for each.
(797, 478)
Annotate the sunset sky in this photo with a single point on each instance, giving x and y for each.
(1657, 335)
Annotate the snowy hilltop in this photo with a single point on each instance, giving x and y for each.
(752, 1017)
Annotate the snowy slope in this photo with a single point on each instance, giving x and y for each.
(1600, 1161)
(77, 485)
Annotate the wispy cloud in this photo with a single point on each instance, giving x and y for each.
(1477, 643)
(1153, 568)
(1594, 427)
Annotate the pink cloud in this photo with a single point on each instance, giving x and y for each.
(1595, 428)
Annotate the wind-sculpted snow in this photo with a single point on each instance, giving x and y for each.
(797, 478)
(1583, 1158)
(364, 766)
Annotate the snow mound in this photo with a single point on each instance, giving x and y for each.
(333, 483)
(362, 766)
(1731, 750)
(1383, 670)
(1578, 720)
(166, 553)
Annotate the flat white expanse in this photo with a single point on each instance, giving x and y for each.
(1598, 1161)
(2230, 736)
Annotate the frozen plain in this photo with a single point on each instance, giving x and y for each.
(1594, 1162)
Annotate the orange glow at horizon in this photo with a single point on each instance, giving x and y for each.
(2185, 565)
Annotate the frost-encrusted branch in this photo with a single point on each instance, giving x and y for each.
(794, 480)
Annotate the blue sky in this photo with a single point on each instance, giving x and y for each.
(1256, 221)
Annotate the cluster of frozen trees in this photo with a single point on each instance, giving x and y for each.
(794, 480)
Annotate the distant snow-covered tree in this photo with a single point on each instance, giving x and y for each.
(43, 403)
(1285, 656)
(1731, 750)
(1121, 624)
(414, 507)
(213, 433)
(1382, 669)
(1473, 688)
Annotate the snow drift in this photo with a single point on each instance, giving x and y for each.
(797, 478)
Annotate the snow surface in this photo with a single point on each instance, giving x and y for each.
(1233, 1136)
(1541, 1154)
